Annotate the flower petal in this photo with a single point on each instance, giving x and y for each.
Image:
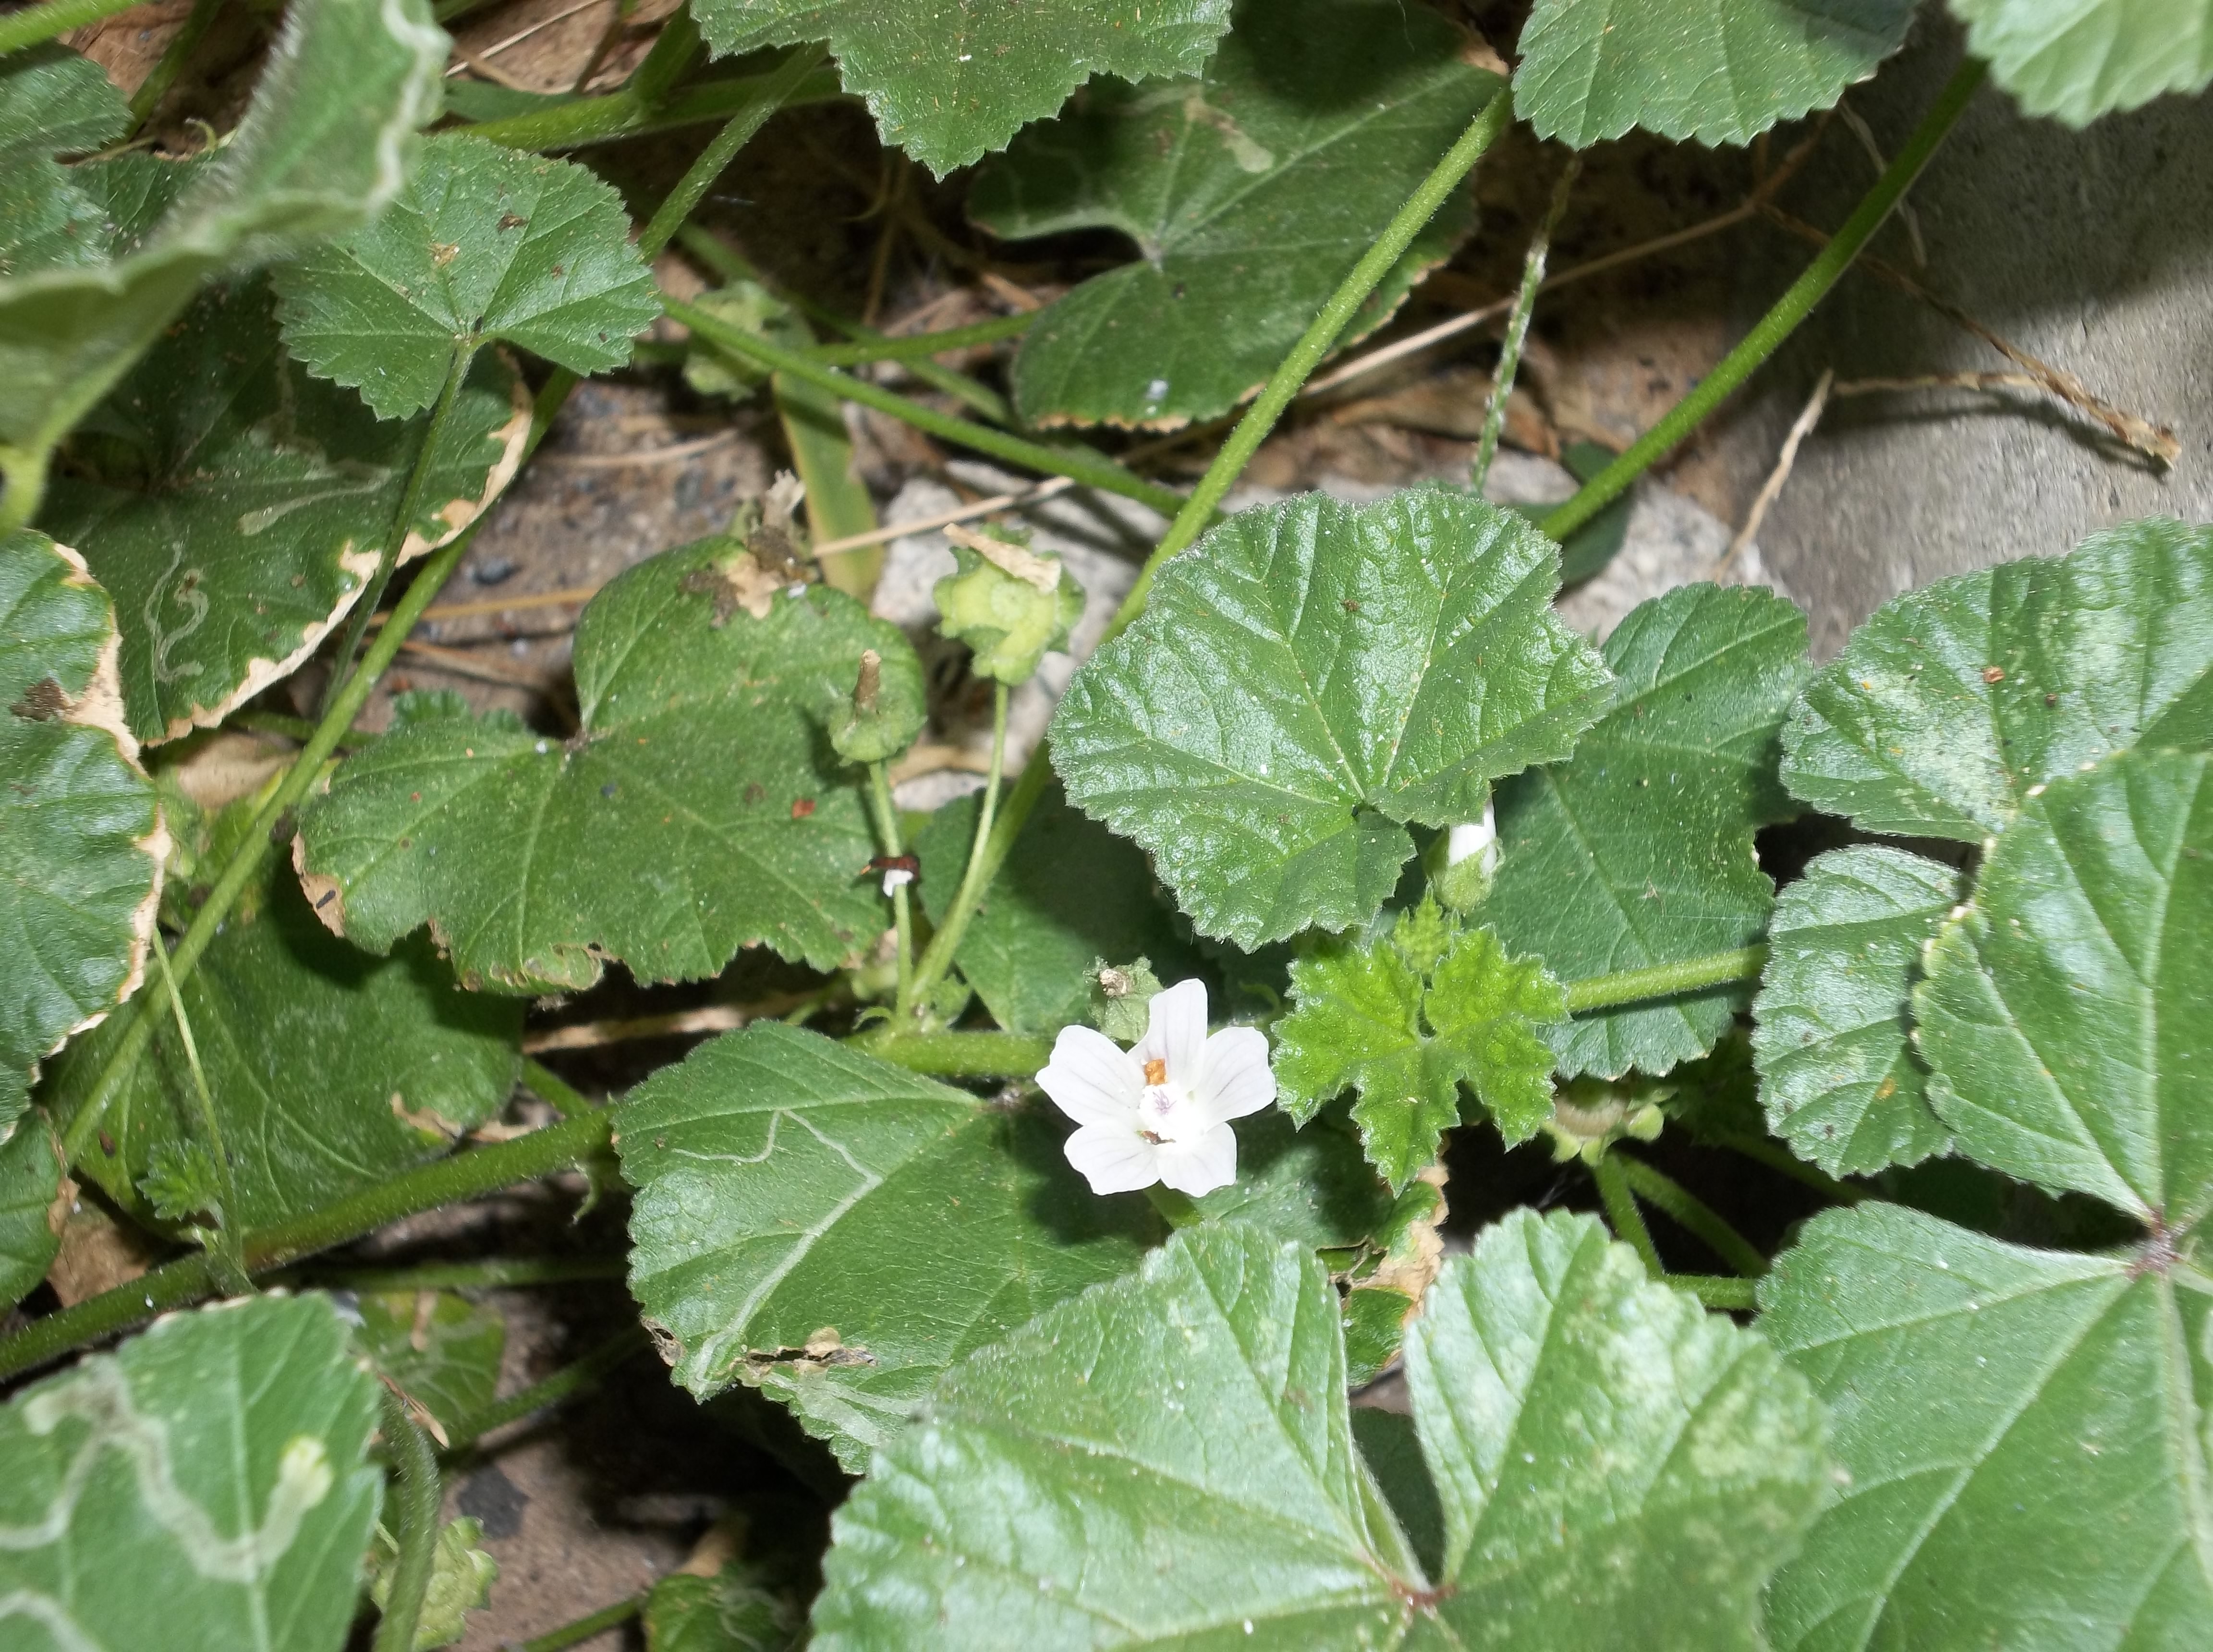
(1201, 1165)
(1175, 1032)
(1235, 1079)
(1114, 1159)
(1091, 1080)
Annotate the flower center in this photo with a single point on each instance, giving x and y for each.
(1166, 1113)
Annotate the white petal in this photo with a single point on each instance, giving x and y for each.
(1202, 1165)
(1235, 1080)
(1091, 1080)
(1175, 1032)
(1115, 1159)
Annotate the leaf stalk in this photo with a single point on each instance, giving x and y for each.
(937, 958)
(1517, 324)
(1694, 1215)
(226, 1261)
(887, 834)
(417, 1537)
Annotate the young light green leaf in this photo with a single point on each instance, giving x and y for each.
(82, 843)
(1390, 660)
(1721, 71)
(235, 507)
(2065, 1013)
(201, 1489)
(2078, 59)
(52, 102)
(330, 1070)
(1638, 851)
(698, 809)
(1250, 191)
(461, 1577)
(1953, 701)
(1839, 1079)
(1070, 895)
(439, 1349)
(325, 144)
(1169, 1459)
(2023, 1434)
(728, 1612)
(485, 243)
(949, 85)
(837, 1231)
(1408, 1031)
(30, 1222)
(1007, 603)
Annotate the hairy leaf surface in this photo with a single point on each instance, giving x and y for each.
(203, 1489)
(331, 1070)
(949, 80)
(1408, 1031)
(1168, 1458)
(1955, 700)
(1638, 851)
(82, 843)
(52, 102)
(728, 1612)
(1250, 191)
(236, 507)
(485, 243)
(700, 809)
(2067, 1013)
(2024, 1434)
(1721, 71)
(324, 146)
(1308, 677)
(2078, 59)
(837, 1231)
(1839, 1078)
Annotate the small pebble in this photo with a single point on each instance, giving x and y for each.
(492, 570)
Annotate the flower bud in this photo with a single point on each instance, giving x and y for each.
(1008, 603)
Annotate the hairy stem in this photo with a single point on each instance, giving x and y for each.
(579, 1376)
(1517, 325)
(497, 1274)
(960, 1055)
(226, 1261)
(1717, 1291)
(1740, 964)
(56, 17)
(585, 1628)
(887, 834)
(1621, 1212)
(1694, 1215)
(1793, 308)
(417, 1536)
(700, 177)
(938, 959)
(1177, 1210)
(620, 114)
(182, 45)
(916, 347)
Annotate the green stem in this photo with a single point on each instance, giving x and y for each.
(498, 1274)
(226, 1265)
(1694, 1215)
(700, 177)
(887, 834)
(403, 520)
(1628, 1221)
(569, 1381)
(673, 51)
(555, 1091)
(1782, 319)
(23, 484)
(938, 958)
(1717, 1291)
(576, 1634)
(182, 45)
(275, 722)
(620, 114)
(35, 23)
(417, 1536)
(1517, 325)
(1080, 463)
(960, 1055)
(1177, 1210)
(1665, 981)
(1782, 1159)
(919, 345)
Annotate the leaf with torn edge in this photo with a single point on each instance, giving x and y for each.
(1408, 1029)
(1639, 850)
(331, 1070)
(698, 809)
(1954, 702)
(1840, 1079)
(486, 244)
(203, 1488)
(1388, 661)
(1169, 1459)
(837, 1231)
(1250, 191)
(950, 83)
(236, 507)
(82, 842)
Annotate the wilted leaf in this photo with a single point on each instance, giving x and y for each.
(1250, 191)
(1638, 851)
(1840, 1080)
(700, 809)
(1389, 660)
(2078, 59)
(485, 243)
(950, 83)
(837, 1231)
(200, 1490)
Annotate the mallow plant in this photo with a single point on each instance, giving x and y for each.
(1103, 1161)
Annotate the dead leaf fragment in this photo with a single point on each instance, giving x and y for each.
(1040, 573)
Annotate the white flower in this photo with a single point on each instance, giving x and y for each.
(1159, 1111)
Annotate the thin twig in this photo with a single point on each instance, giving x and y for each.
(1517, 324)
(709, 1018)
(644, 456)
(517, 38)
(462, 663)
(997, 502)
(1858, 128)
(1803, 427)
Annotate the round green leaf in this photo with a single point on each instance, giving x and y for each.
(1388, 661)
(2078, 59)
